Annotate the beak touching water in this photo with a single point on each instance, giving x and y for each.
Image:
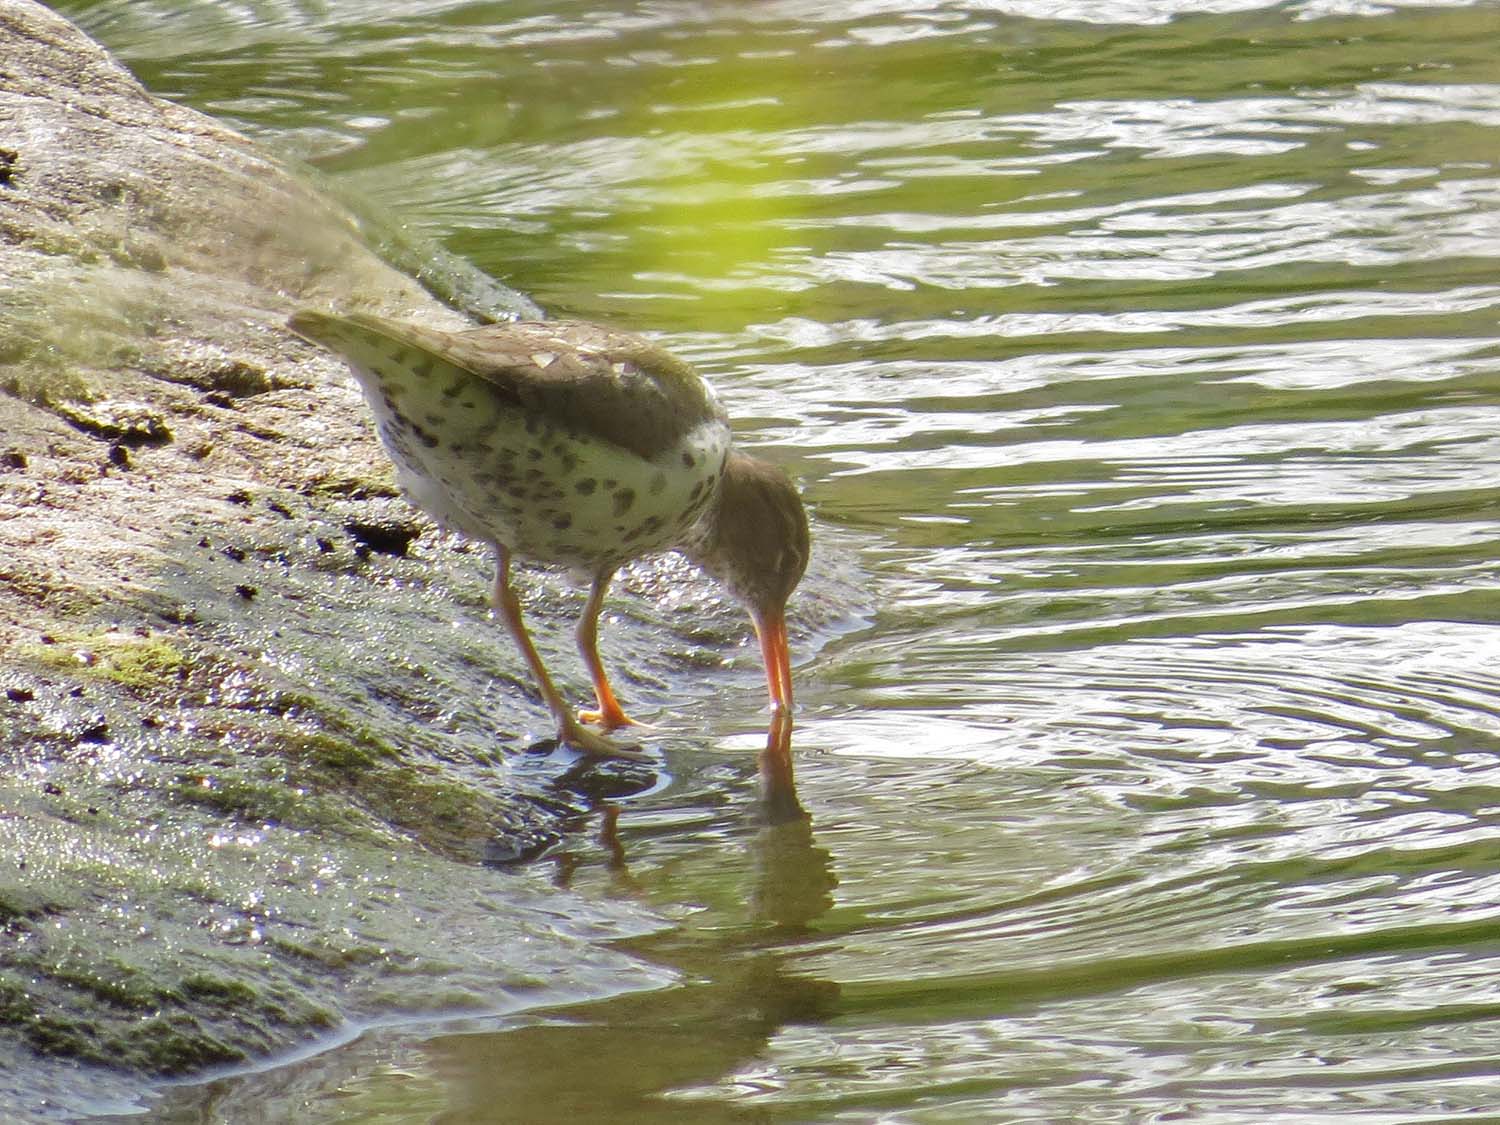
(770, 627)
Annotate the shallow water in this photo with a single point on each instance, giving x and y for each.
(1142, 360)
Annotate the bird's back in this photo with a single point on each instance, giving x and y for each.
(567, 442)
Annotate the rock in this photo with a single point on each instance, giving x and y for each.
(246, 780)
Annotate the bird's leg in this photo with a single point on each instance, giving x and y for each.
(609, 715)
(508, 606)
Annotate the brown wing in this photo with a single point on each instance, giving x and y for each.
(613, 385)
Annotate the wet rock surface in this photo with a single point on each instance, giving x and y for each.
(258, 739)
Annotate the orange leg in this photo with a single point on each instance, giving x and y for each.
(609, 714)
(508, 606)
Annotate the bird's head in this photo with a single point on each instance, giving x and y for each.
(755, 541)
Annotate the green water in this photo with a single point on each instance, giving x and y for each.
(1140, 362)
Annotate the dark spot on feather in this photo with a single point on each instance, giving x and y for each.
(658, 483)
(586, 486)
(623, 500)
(562, 523)
(423, 366)
(688, 460)
(533, 454)
(456, 388)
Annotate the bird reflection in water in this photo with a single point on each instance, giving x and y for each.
(793, 876)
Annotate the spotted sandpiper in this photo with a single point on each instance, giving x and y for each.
(577, 445)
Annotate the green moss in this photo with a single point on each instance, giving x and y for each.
(58, 1035)
(44, 386)
(170, 1045)
(110, 981)
(328, 752)
(358, 483)
(17, 904)
(62, 602)
(163, 1042)
(242, 798)
(131, 660)
(444, 803)
(218, 990)
(15, 1004)
(328, 954)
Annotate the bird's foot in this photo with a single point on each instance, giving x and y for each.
(610, 719)
(591, 742)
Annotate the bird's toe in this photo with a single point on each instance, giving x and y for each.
(591, 742)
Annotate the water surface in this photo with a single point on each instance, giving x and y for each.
(1141, 360)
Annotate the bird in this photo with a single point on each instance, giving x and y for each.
(578, 445)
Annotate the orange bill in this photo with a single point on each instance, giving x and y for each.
(770, 626)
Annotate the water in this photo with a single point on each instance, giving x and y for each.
(1142, 360)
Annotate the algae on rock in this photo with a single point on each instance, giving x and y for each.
(237, 807)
